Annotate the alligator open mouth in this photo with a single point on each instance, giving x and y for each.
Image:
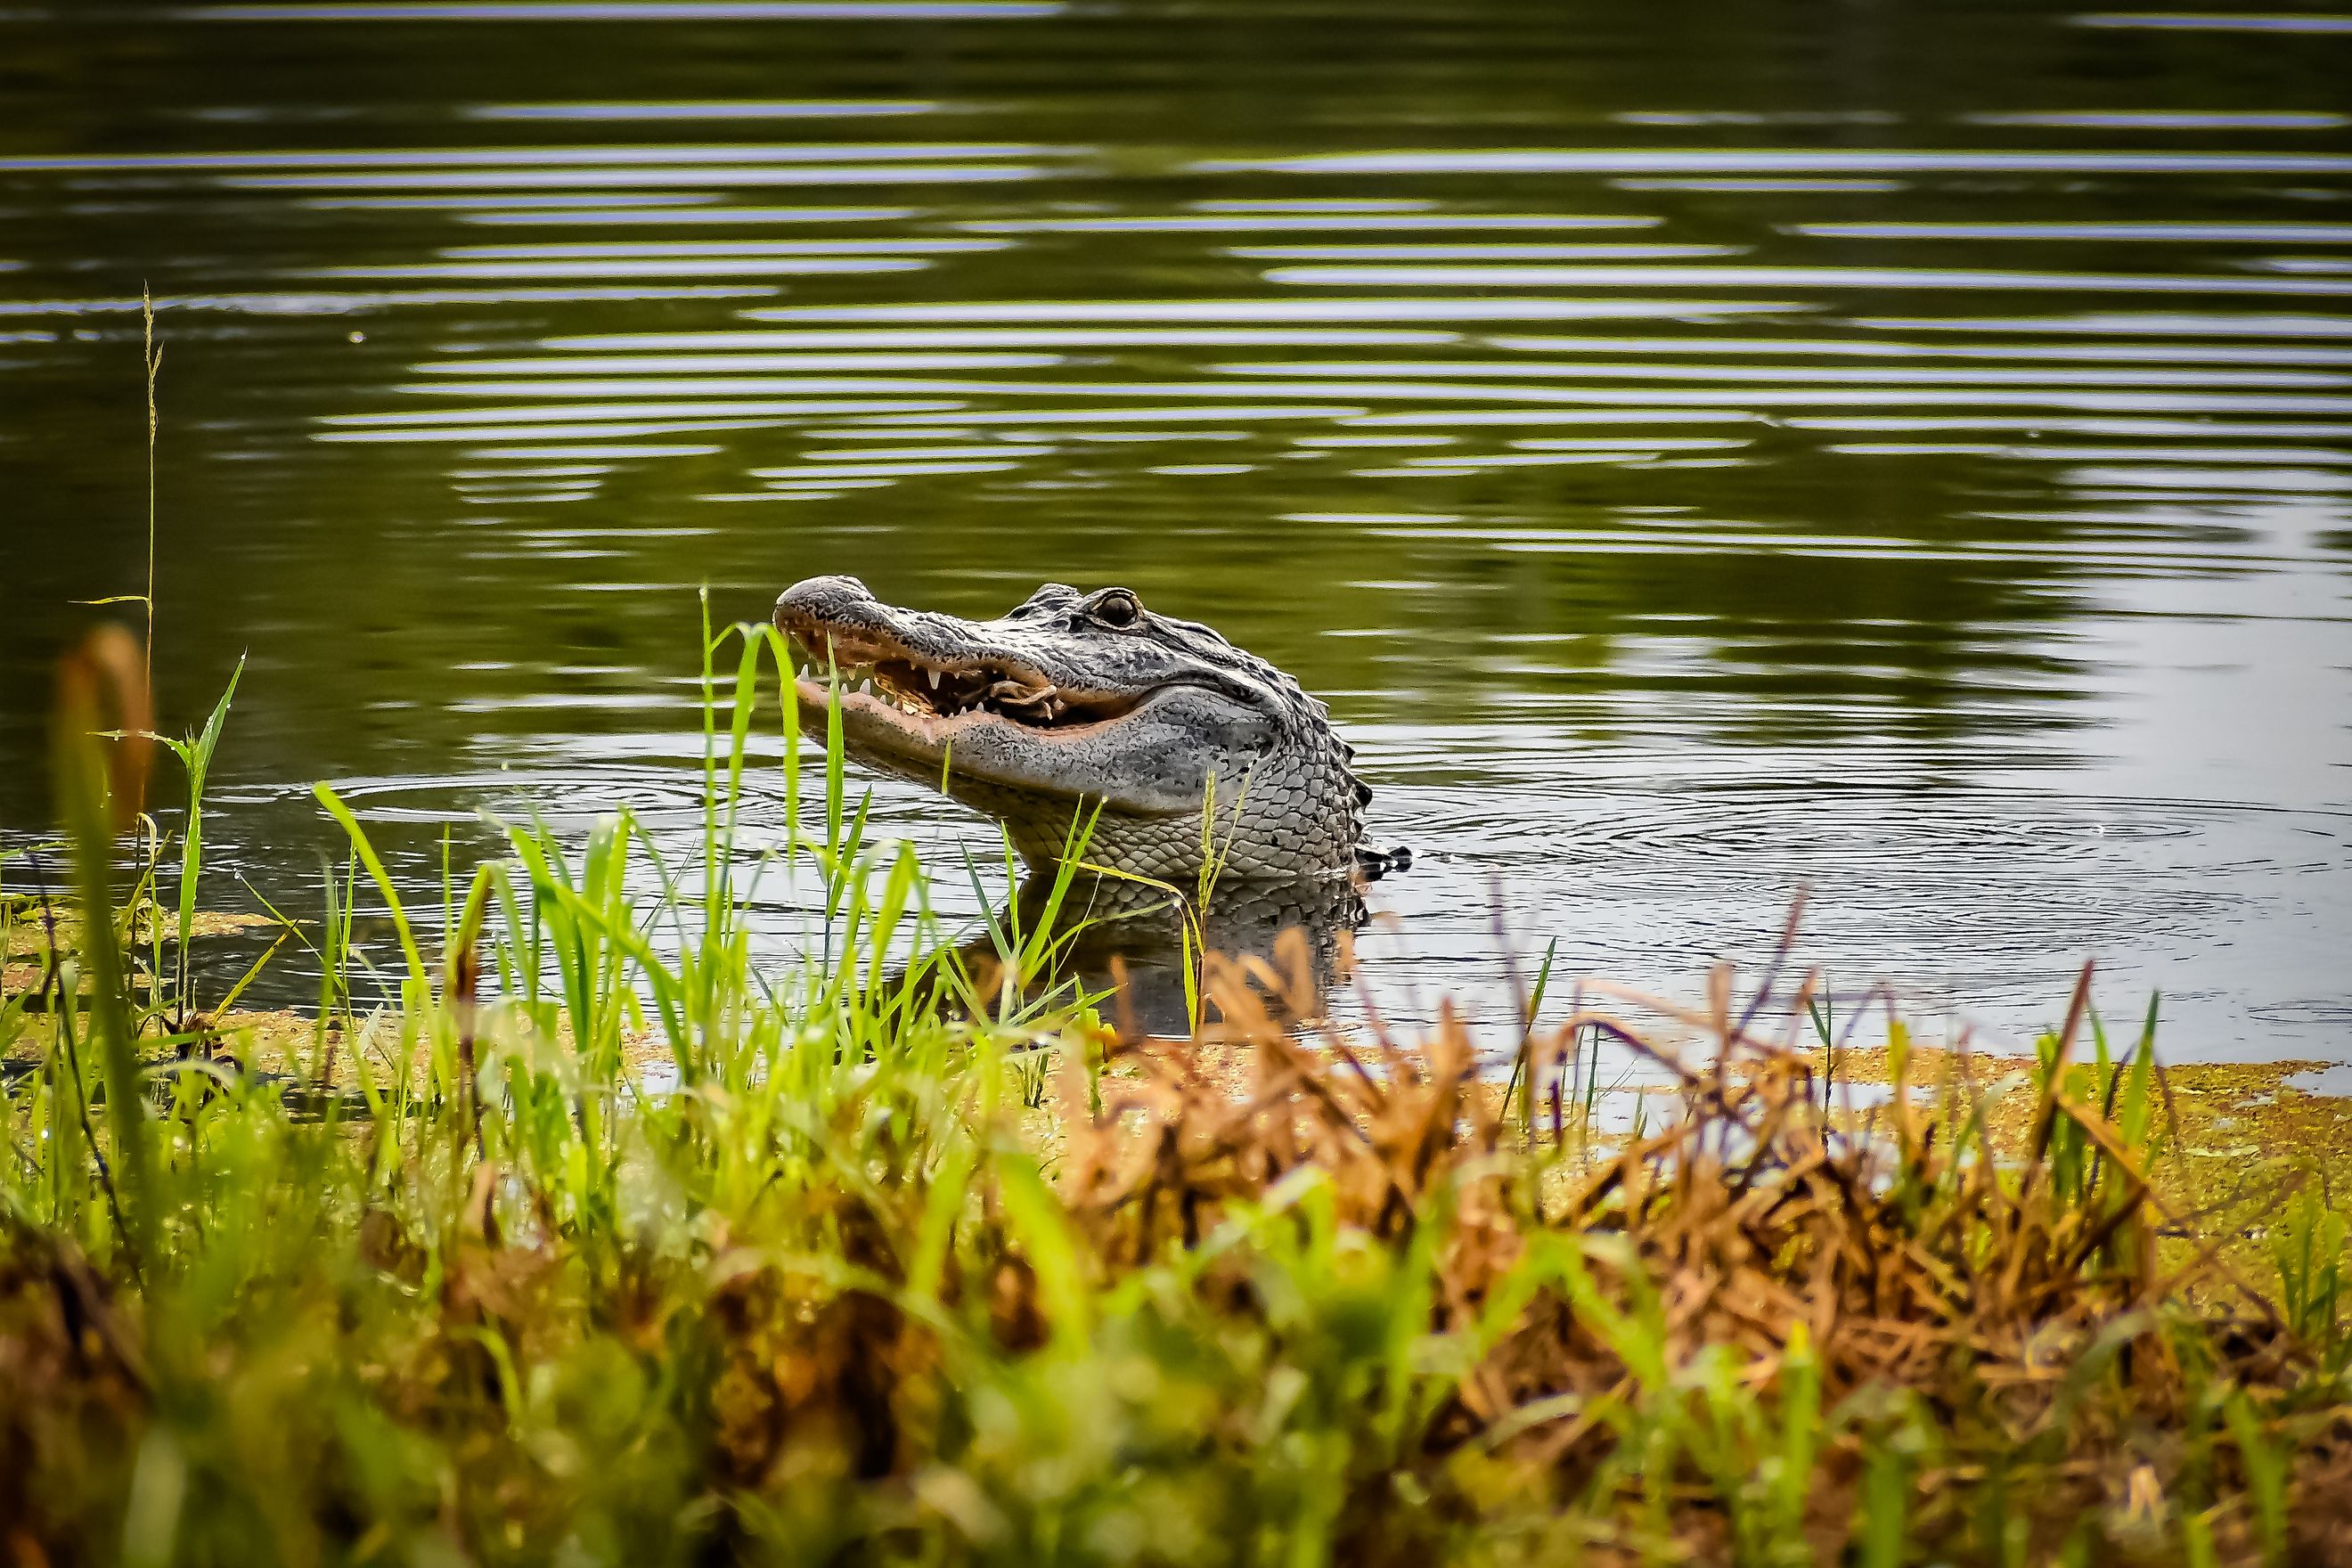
(870, 663)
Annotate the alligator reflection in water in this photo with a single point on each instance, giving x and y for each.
(1128, 937)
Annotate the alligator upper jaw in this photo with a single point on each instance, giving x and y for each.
(890, 689)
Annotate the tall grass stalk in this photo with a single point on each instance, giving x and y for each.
(96, 793)
(151, 355)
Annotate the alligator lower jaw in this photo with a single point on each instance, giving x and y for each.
(886, 682)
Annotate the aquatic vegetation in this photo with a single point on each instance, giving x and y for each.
(870, 1262)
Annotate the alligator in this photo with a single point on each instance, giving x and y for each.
(1087, 706)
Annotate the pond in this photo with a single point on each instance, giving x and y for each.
(1699, 454)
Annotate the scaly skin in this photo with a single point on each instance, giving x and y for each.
(1076, 699)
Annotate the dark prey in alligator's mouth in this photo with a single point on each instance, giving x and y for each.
(871, 665)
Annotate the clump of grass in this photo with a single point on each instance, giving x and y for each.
(817, 1292)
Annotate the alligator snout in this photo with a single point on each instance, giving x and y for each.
(834, 599)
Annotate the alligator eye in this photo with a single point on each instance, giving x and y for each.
(1116, 608)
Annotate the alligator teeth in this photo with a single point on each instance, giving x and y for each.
(934, 674)
(866, 687)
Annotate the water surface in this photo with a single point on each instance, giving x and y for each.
(1699, 455)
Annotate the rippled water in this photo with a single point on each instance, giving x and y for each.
(1699, 455)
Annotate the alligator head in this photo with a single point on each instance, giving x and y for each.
(1073, 701)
